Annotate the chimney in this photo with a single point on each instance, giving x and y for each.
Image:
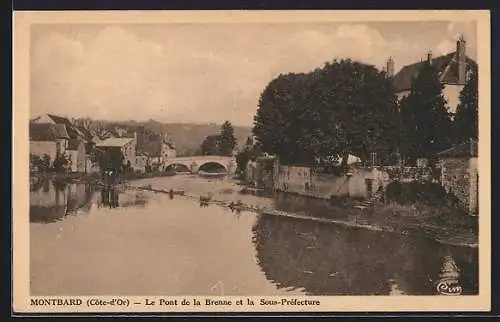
(461, 63)
(429, 57)
(390, 67)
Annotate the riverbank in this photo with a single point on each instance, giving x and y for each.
(444, 224)
(95, 178)
(441, 223)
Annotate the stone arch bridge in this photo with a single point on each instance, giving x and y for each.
(195, 163)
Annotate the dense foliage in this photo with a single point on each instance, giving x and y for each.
(425, 118)
(466, 118)
(223, 143)
(344, 107)
(210, 146)
(249, 152)
(418, 193)
(227, 140)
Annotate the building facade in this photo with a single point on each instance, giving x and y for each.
(47, 139)
(453, 69)
(459, 174)
(118, 147)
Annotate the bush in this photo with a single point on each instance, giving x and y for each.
(60, 163)
(38, 163)
(416, 192)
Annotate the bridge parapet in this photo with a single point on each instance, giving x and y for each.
(194, 163)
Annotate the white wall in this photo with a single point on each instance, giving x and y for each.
(452, 95)
(44, 147)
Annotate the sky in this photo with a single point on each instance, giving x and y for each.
(206, 72)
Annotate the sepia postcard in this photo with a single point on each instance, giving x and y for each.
(251, 161)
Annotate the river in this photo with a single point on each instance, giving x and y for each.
(86, 241)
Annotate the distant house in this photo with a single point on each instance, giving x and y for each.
(157, 150)
(117, 147)
(78, 136)
(141, 162)
(459, 173)
(77, 156)
(114, 132)
(168, 150)
(48, 139)
(453, 69)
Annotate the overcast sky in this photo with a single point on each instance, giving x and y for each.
(199, 73)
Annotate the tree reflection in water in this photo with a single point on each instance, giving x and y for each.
(113, 198)
(52, 200)
(110, 197)
(325, 259)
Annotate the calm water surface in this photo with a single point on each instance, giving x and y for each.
(87, 241)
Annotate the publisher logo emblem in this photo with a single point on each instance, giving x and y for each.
(449, 287)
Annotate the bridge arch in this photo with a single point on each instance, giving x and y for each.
(178, 166)
(212, 165)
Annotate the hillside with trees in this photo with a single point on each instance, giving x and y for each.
(186, 137)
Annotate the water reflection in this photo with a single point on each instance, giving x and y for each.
(315, 207)
(110, 197)
(323, 259)
(52, 200)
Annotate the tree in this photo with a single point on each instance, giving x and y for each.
(61, 162)
(345, 107)
(210, 146)
(466, 118)
(227, 139)
(250, 151)
(425, 118)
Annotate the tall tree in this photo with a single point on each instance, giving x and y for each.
(425, 116)
(227, 139)
(344, 107)
(466, 118)
(211, 145)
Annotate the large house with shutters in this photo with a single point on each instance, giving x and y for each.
(453, 68)
(48, 140)
(74, 146)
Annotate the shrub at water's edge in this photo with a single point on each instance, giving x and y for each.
(427, 203)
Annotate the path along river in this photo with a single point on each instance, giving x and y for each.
(86, 241)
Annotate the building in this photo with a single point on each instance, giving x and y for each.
(113, 132)
(76, 156)
(168, 150)
(118, 147)
(453, 68)
(48, 139)
(459, 173)
(78, 137)
(157, 149)
(73, 131)
(141, 162)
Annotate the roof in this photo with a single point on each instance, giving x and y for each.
(446, 66)
(114, 142)
(73, 132)
(47, 132)
(109, 133)
(464, 149)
